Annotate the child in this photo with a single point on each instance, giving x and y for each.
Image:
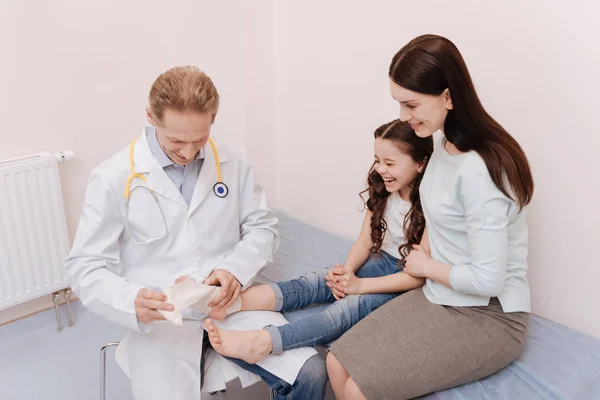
(371, 276)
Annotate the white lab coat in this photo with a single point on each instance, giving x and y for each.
(237, 233)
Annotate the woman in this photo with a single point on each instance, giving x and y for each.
(470, 319)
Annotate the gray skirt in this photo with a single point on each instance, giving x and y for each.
(410, 347)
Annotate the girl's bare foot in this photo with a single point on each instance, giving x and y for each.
(250, 346)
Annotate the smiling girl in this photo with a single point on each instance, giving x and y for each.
(373, 272)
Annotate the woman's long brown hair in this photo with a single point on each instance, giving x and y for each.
(419, 149)
(430, 64)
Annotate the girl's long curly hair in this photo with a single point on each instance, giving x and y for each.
(419, 149)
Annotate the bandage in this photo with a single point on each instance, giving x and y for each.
(189, 293)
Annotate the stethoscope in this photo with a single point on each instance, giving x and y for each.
(220, 190)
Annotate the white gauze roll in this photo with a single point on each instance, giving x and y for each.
(189, 293)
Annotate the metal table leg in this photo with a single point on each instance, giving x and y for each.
(103, 369)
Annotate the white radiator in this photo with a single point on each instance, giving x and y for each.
(33, 230)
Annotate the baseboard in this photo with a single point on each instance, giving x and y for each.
(30, 308)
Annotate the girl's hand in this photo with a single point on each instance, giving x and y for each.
(332, 283)
(415, 262)
(348, 280)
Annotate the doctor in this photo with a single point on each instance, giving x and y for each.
(175, 202)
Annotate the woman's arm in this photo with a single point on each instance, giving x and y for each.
(487, 219)
(432, 269)
(438, 272)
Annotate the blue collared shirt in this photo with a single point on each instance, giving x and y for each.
(183, 176)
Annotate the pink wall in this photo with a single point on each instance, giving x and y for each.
(76, 74)
(535, 65)
(259, 80)
(303, 86)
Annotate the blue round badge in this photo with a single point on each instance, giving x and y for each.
(221, 190)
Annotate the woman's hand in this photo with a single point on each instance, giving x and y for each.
(416, 260)
(347, 279)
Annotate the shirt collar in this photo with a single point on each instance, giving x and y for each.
(157, 151)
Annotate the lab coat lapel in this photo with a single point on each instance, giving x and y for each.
(156, 178)
(208, 175)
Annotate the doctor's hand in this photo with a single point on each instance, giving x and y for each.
(147, 302)
(230, 288)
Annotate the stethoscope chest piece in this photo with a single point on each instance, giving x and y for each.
(221, 190)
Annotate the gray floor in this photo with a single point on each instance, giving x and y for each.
(37, 362)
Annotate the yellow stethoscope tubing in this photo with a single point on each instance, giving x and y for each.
(133, 175)
(217, 162)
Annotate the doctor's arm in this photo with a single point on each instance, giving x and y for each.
(93, 265)
(259, 238)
